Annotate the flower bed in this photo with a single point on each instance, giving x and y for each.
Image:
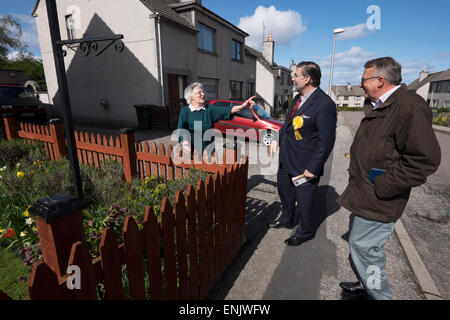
(26, 176)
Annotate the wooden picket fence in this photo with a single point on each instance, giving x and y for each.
(182, 253)
(138, 158)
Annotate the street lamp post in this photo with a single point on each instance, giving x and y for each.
(335, 32)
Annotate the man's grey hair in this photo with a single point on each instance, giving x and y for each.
(312, 70)
(387, 67)
(189, 91)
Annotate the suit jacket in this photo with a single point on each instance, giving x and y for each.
(318, 135)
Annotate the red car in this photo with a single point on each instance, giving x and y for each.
(252, 118)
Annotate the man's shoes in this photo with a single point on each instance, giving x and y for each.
(277, 225)
(294, 241)
(354, 288)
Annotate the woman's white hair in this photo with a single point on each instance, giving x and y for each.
(189, 91)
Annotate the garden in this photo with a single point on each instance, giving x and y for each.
(27, 175)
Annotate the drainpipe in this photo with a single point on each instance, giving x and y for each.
(160, 65)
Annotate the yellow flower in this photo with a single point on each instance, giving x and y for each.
(26, 213)
(20, 174)
(23, 234)
(34, 229)
(1, 230)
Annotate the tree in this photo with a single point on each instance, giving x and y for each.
(10, 37)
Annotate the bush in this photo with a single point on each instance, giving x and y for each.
(11, 151)
(441, 119)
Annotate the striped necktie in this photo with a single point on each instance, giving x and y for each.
(297, 105)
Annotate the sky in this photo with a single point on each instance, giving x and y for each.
(415, 33)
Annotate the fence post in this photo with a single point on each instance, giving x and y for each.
(59, 223)
(230, 154)
(57, 134)
(129, 153)
(10, 126)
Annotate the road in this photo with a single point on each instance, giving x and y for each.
(427, 215)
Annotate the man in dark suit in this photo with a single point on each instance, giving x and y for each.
(306, 140)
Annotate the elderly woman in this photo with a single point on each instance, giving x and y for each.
(196, 111)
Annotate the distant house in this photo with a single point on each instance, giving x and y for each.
(168, 44)
(273, 82)
(433, 88)
(348, 96)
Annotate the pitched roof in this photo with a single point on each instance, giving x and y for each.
(344, 91)
(432, 77)
(160, 6)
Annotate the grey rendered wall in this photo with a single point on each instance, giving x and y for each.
(123, 79)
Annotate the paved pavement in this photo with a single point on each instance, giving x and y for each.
(267, 269)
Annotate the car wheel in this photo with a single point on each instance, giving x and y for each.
(266, 138)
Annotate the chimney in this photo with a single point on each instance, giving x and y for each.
(268, 49)
(349, 86)
(423, 74)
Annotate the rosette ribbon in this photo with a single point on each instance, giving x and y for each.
(297, 122)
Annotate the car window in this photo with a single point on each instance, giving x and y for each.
(261, 112)
(15, 92)
(221, 104)
(245, 113)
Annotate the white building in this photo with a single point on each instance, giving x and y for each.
(348, 96)
(195, 44)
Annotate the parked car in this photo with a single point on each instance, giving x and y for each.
(21, 102)
(252, 118)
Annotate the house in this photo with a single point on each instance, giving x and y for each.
(273, 82)
(167, 45)
(348, 96)
(433, 88)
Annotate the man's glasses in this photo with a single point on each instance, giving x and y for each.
(365, 79)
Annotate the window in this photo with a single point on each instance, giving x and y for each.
(210, 86)
(250, 89)
(435, 103)
(447, 104)
(357, 98)
(70, 27)
(356, 105)
(235, 89)
(237, 50)
(206, 38)
(345, 97)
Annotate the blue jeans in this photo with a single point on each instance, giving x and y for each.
(367, 256)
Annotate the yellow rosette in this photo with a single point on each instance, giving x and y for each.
(297, 122)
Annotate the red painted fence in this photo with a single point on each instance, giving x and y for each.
(179, 255)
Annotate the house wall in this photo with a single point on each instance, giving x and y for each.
(220, 65)
(423, 91)
(283, 90)
(265, 87)
(123, 79)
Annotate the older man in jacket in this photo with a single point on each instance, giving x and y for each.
(394, 149)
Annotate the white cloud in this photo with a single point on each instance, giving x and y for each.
(354, 32)
(284, 26)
